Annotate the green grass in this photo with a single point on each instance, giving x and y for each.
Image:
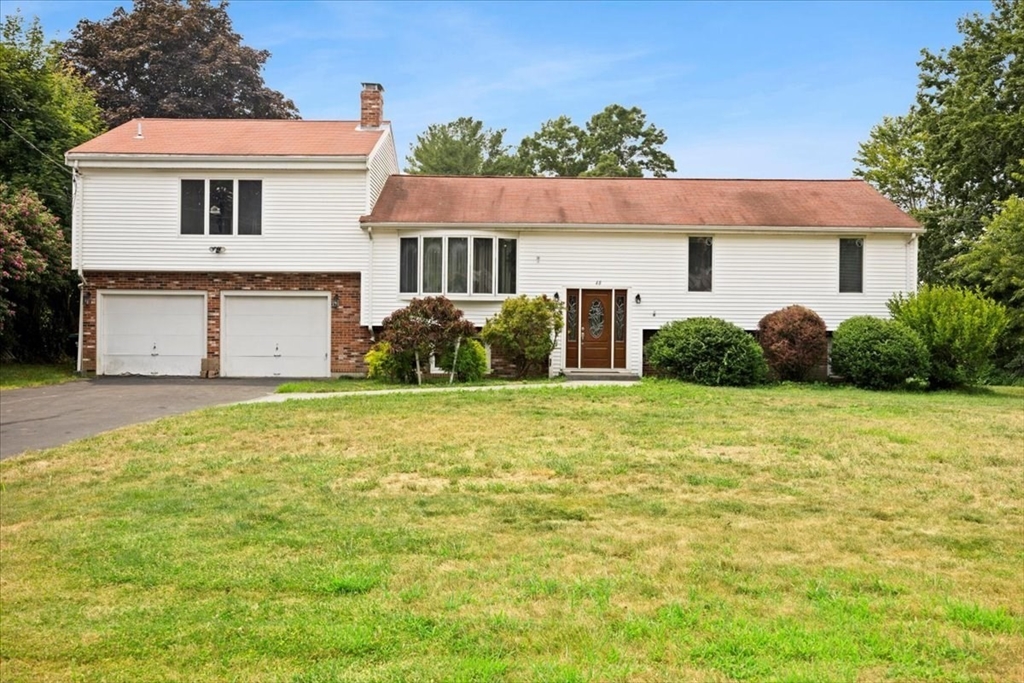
(19, 375)
(347, 384)
(664, 532)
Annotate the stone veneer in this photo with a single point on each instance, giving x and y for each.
(349, 341)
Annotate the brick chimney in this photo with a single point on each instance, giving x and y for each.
(371, 105)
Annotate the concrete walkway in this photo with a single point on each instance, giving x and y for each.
(281, 398)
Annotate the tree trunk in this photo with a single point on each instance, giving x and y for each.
(455, 360)
(419, 373)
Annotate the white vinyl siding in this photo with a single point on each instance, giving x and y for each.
(754, 274)
(130, 220)
(383, 162)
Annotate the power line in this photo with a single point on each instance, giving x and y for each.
(53, 161)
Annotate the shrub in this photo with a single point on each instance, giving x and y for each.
(794, 340)
(525, 331)
(384, 363)
(878, 354)
(707, 351)
(959, 328)
(426, 326)
(471, 365)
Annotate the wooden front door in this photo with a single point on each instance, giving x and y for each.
(595, 328)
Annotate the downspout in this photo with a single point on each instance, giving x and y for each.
(369, 289)
(76, 233)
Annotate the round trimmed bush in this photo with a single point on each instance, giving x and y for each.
(471, 365)
(878, 354)
(794, 340)
(707, 351)
(382, 362)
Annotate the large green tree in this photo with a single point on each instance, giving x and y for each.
(960, 148)
(46, 110)
(461, 147)
(615, 142)
(173, 59)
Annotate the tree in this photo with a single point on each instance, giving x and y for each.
(996, 266)
(959, 150)
(616, 142)
(461, 147)
(34, 263)
(173, 59)
(47, 110)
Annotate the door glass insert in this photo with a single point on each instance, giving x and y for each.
(620, 317)
(572, 311)
(596, 319)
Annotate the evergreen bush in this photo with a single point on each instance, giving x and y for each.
(707, 351)
(878, 354)
(794, 340)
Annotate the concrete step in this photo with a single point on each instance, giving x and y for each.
(601, 376)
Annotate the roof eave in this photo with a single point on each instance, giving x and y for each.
(135, 160)
(630, 227)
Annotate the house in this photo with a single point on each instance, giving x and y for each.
(228, 247)
(341, 241)
(627, 255)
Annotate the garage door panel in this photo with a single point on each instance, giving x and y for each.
(275, 336)
(152, 334)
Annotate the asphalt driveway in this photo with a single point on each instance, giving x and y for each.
(44, 417)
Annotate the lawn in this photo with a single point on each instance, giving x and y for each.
(663, 532)
(18, 375)
(347, 384)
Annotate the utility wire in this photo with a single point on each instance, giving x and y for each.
(53, 161)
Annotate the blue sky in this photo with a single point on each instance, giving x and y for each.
(755, 90)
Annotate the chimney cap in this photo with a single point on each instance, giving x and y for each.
(373, 86)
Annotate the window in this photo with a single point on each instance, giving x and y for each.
(851, 265)
(457, 265)
(700, 264)
(210, 207)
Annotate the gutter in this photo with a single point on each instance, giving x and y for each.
(618, 227)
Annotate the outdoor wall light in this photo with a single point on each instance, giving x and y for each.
(217, 250)
(335, 302)
(557, 297)
(87, 298)
(637, 299)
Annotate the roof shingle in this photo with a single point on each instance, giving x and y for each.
(234, 137)
(635, 201)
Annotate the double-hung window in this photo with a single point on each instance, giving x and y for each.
(457, 266)
(221, 207)
(851, 265)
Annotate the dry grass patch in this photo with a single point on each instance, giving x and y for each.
(658, 533)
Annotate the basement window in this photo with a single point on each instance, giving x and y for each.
(221, 207)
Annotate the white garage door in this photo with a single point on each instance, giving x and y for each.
(151, 334)
(275, 335)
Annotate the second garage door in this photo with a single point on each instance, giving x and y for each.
(275, 335)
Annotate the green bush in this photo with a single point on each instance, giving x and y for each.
(471, 365)
(960, 329)
(878, 354)
(794, 340)
(707, 351)
(383, 363)
(524, 331)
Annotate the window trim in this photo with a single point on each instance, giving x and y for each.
(235, 202)
(493, 295)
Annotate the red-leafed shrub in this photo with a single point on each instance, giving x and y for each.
(794, 340)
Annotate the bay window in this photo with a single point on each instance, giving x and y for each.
(459, 266)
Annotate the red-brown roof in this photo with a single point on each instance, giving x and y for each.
(235, 137)
(634, 201)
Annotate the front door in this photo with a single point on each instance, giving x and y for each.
(596, 328)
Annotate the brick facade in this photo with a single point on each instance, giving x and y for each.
(349, 341)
